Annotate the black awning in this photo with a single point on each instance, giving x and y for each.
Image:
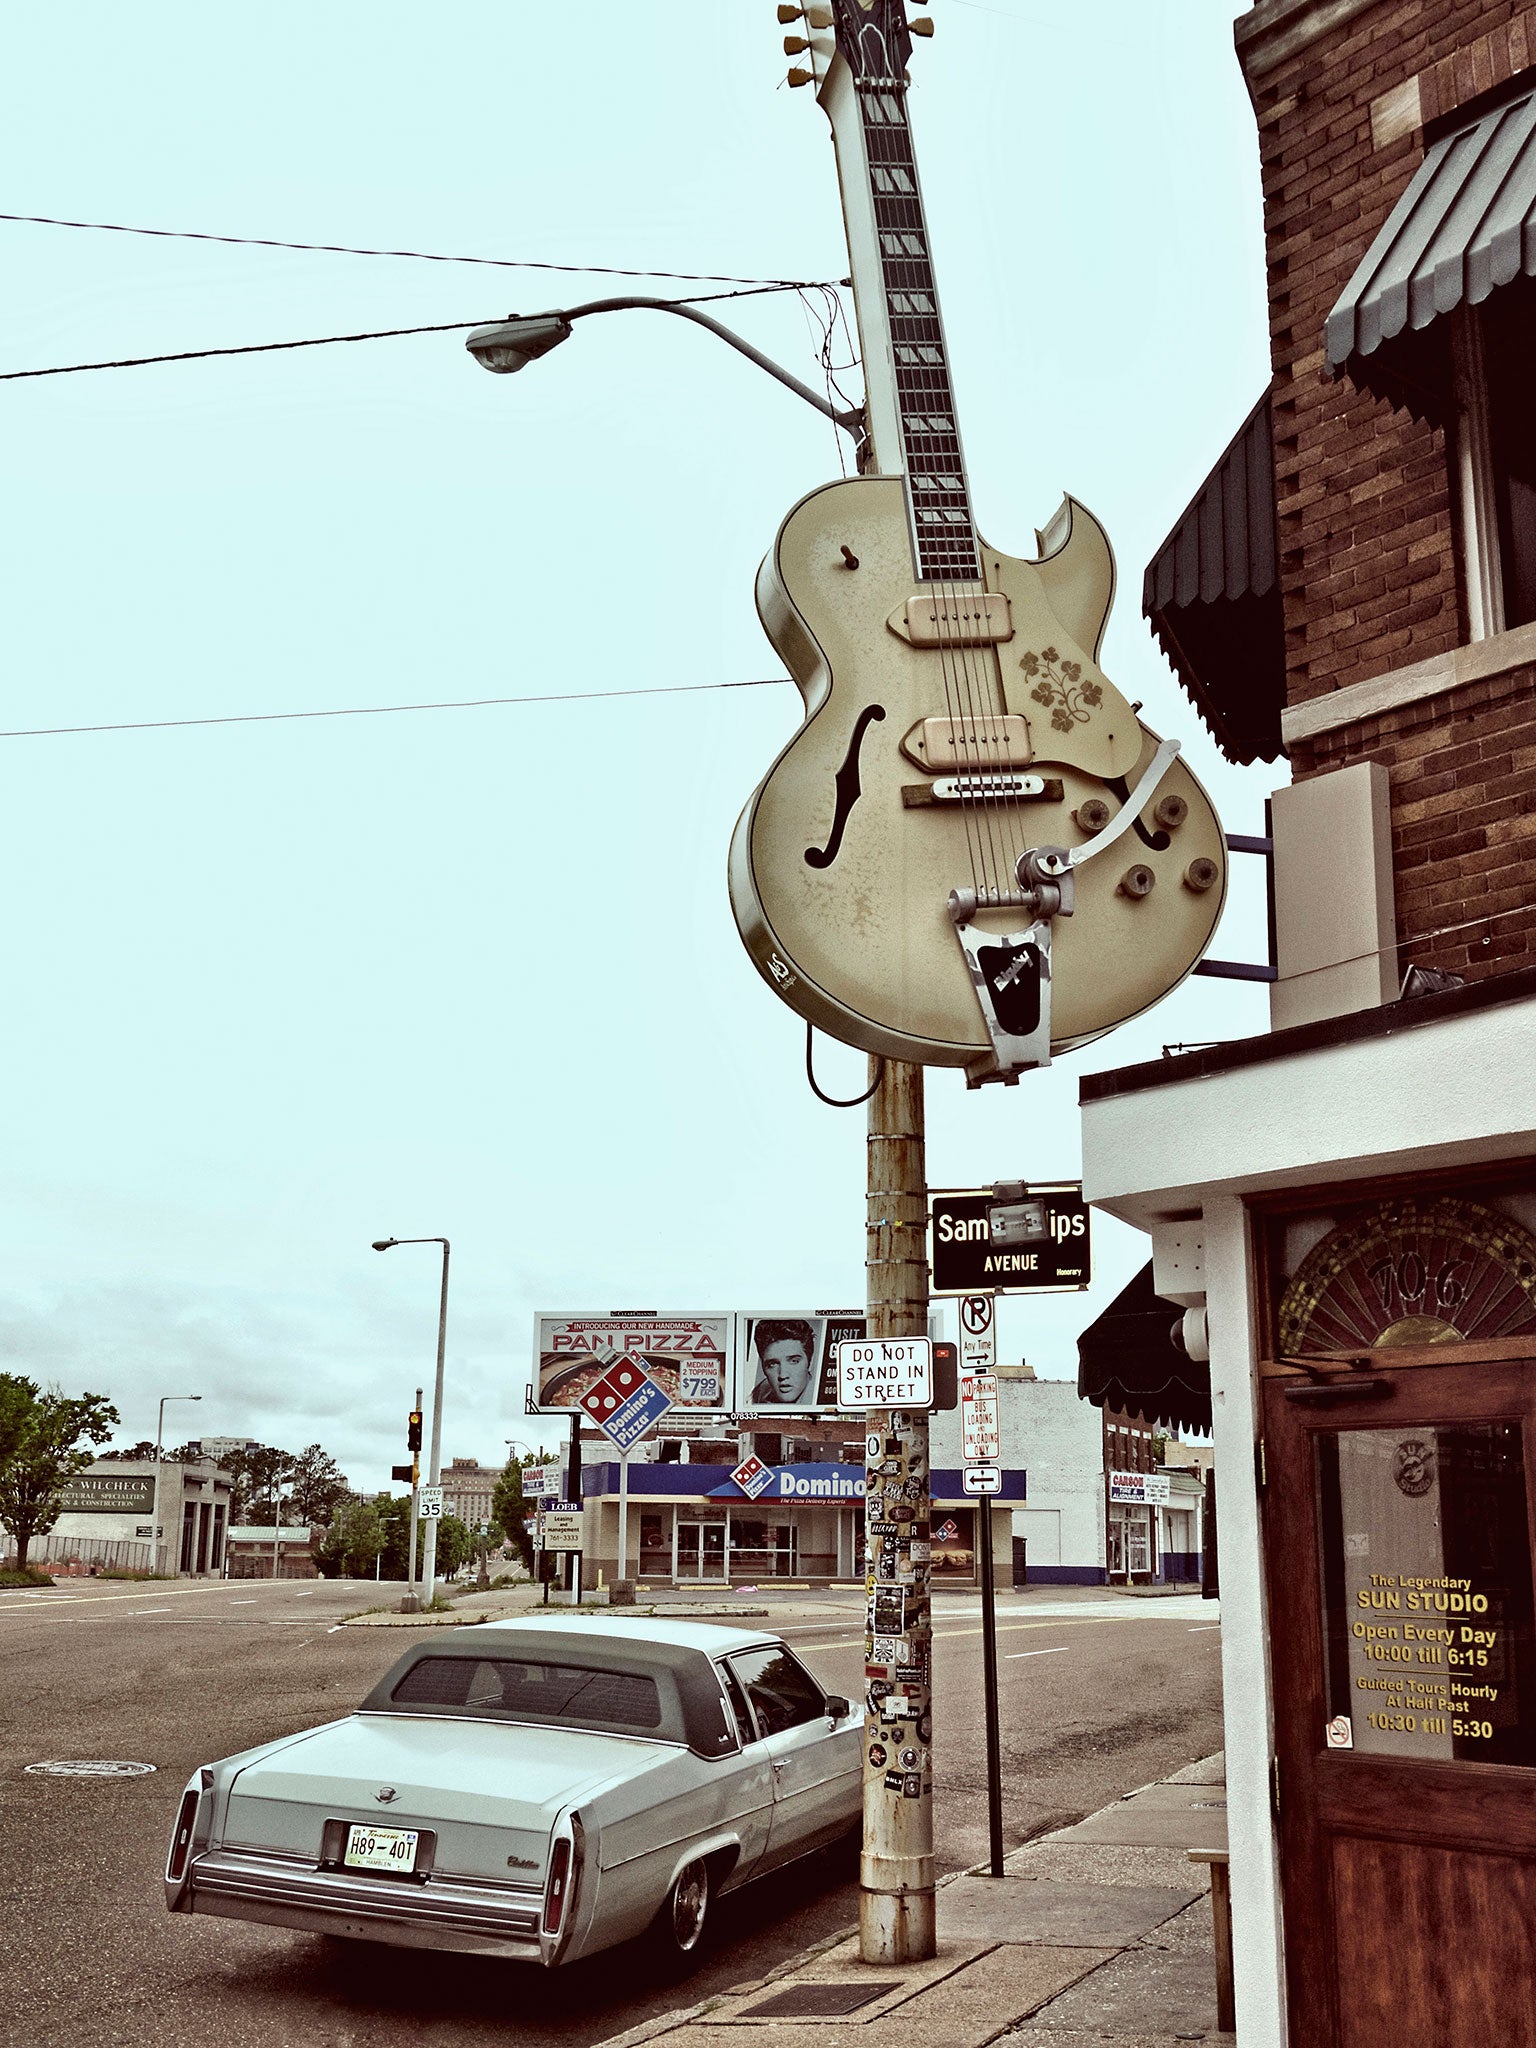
(1212, 594)
(1128, 1359)
(1465, 226)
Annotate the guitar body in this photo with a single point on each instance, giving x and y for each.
(842, 863)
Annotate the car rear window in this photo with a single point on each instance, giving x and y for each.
(531, 1691)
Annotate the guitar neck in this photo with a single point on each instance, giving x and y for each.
(913, 425)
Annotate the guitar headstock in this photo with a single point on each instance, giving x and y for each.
(873, 37)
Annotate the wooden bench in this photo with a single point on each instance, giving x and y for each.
(1221, 1919)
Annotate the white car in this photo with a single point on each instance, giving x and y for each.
(538, 1789)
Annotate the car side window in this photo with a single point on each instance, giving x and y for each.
(741, 1712)
(780, 1688)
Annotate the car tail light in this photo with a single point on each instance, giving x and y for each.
(559, 1884)
(181, 1840)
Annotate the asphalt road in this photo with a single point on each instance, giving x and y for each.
(173, 1675)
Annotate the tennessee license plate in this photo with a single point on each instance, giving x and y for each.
(390, 1849)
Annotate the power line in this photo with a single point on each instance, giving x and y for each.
(258, 348)
(39, 732)
(112, 227)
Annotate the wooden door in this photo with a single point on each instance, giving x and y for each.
(1398, 1540)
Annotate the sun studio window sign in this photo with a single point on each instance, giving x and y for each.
(687, 1356)
(788, 1359)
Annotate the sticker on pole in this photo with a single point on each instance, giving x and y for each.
(885, 1372)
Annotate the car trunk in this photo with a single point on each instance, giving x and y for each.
(490, 1791)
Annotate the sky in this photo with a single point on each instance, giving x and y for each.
(275, 990)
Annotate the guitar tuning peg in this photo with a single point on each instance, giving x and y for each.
(922, 26)
(793, 45)
(789, 14)
(819, 17)
(796, 76)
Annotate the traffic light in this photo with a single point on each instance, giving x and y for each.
(413, 1430)
(405, 1472)
(946, 1377)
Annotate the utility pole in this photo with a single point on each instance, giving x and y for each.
(896, 1902)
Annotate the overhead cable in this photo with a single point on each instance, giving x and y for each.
(40, 732)
(113, 227)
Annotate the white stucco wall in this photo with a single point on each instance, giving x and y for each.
(1058, 1441)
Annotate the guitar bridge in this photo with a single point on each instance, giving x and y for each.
(1011, 973)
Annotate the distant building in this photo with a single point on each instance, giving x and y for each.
(109, 1518)
(467, 1489)
(257, 1552)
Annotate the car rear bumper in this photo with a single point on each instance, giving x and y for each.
(442, 1913)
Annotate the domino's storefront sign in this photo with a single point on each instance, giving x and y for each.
(805, 1482)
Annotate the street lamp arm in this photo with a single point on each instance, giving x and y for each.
(850, 420)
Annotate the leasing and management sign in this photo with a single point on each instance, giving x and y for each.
(109, 1493)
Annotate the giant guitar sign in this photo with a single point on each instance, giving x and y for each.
(973, 853)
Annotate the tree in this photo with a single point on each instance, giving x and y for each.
(310, 1486)
(141, 1452)
(394, 1512)
(353, 1542)
(318, 1486)
(455, 1545)
(17, 1396)
(509, 1507)
(51, 1447)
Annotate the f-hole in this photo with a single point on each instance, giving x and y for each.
(846, 785)
(1159, 842)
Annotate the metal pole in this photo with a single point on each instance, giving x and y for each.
(896, 1904)
(159, 1442)
(989, 1684)
(429, 1554)
(277, 1523)
(573, 1493)
(411, 1604)
(623, 1514)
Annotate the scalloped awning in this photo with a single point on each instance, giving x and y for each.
(1127, 1359)
(1465, 226)
(1212, 595)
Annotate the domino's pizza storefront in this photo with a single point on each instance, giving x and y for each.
(691, 1523)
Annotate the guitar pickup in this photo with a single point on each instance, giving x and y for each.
(960, 618)
(980, 789)
(995, 739)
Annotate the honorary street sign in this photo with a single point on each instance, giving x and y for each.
(429, 1503)
(885, 1372)
(982, 1479)
(965, 1258)
(753, 1477)
(560, 1528)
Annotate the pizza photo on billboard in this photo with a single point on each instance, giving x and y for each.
(787, 1361)
(688, 1356)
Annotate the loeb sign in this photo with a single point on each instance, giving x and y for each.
(885, 1372)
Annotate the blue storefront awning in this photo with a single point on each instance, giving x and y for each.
(810, 1484)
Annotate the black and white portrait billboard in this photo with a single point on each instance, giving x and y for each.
(786, 1362)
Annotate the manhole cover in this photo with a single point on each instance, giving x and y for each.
(1210, 1805)
(816, 2001)
(89, 1767)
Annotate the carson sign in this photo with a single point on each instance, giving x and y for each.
(964, 1257)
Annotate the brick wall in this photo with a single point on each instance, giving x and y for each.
(1369, 570)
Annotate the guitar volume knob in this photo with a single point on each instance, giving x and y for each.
(1091, 815)
(1201, 875)
(1136, 882)
(1171, 811)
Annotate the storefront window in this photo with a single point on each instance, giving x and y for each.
(1426, 1595)
(953, 1555)
(761, 1549)
(655, 1547)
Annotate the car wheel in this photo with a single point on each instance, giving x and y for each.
(684, 1916)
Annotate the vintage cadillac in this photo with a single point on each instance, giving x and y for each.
(537, 1789)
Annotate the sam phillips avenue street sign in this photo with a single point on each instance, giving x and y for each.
(963, 1257)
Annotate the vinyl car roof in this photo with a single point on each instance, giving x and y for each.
(677, 1655)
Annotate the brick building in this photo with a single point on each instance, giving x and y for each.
(1345, 1206)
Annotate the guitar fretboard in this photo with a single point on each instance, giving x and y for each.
(940, 499)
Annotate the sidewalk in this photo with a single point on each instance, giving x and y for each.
(1099, 1933)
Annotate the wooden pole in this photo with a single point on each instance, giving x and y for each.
(896, 1903)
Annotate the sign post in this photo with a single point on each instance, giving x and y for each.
(989, 1690)
(625, 1403)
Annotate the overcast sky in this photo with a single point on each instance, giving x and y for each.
(274, 990)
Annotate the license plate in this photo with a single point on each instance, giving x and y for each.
(389, 1849)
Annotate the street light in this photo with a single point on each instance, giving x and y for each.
(515, 342)
(429, 1549)
(159, 1441)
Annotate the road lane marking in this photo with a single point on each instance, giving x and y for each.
(251, 1602)
(1009, 1628)
(138, 1611)
(210, 1589)
(1013, 1656)
(307, 1596)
